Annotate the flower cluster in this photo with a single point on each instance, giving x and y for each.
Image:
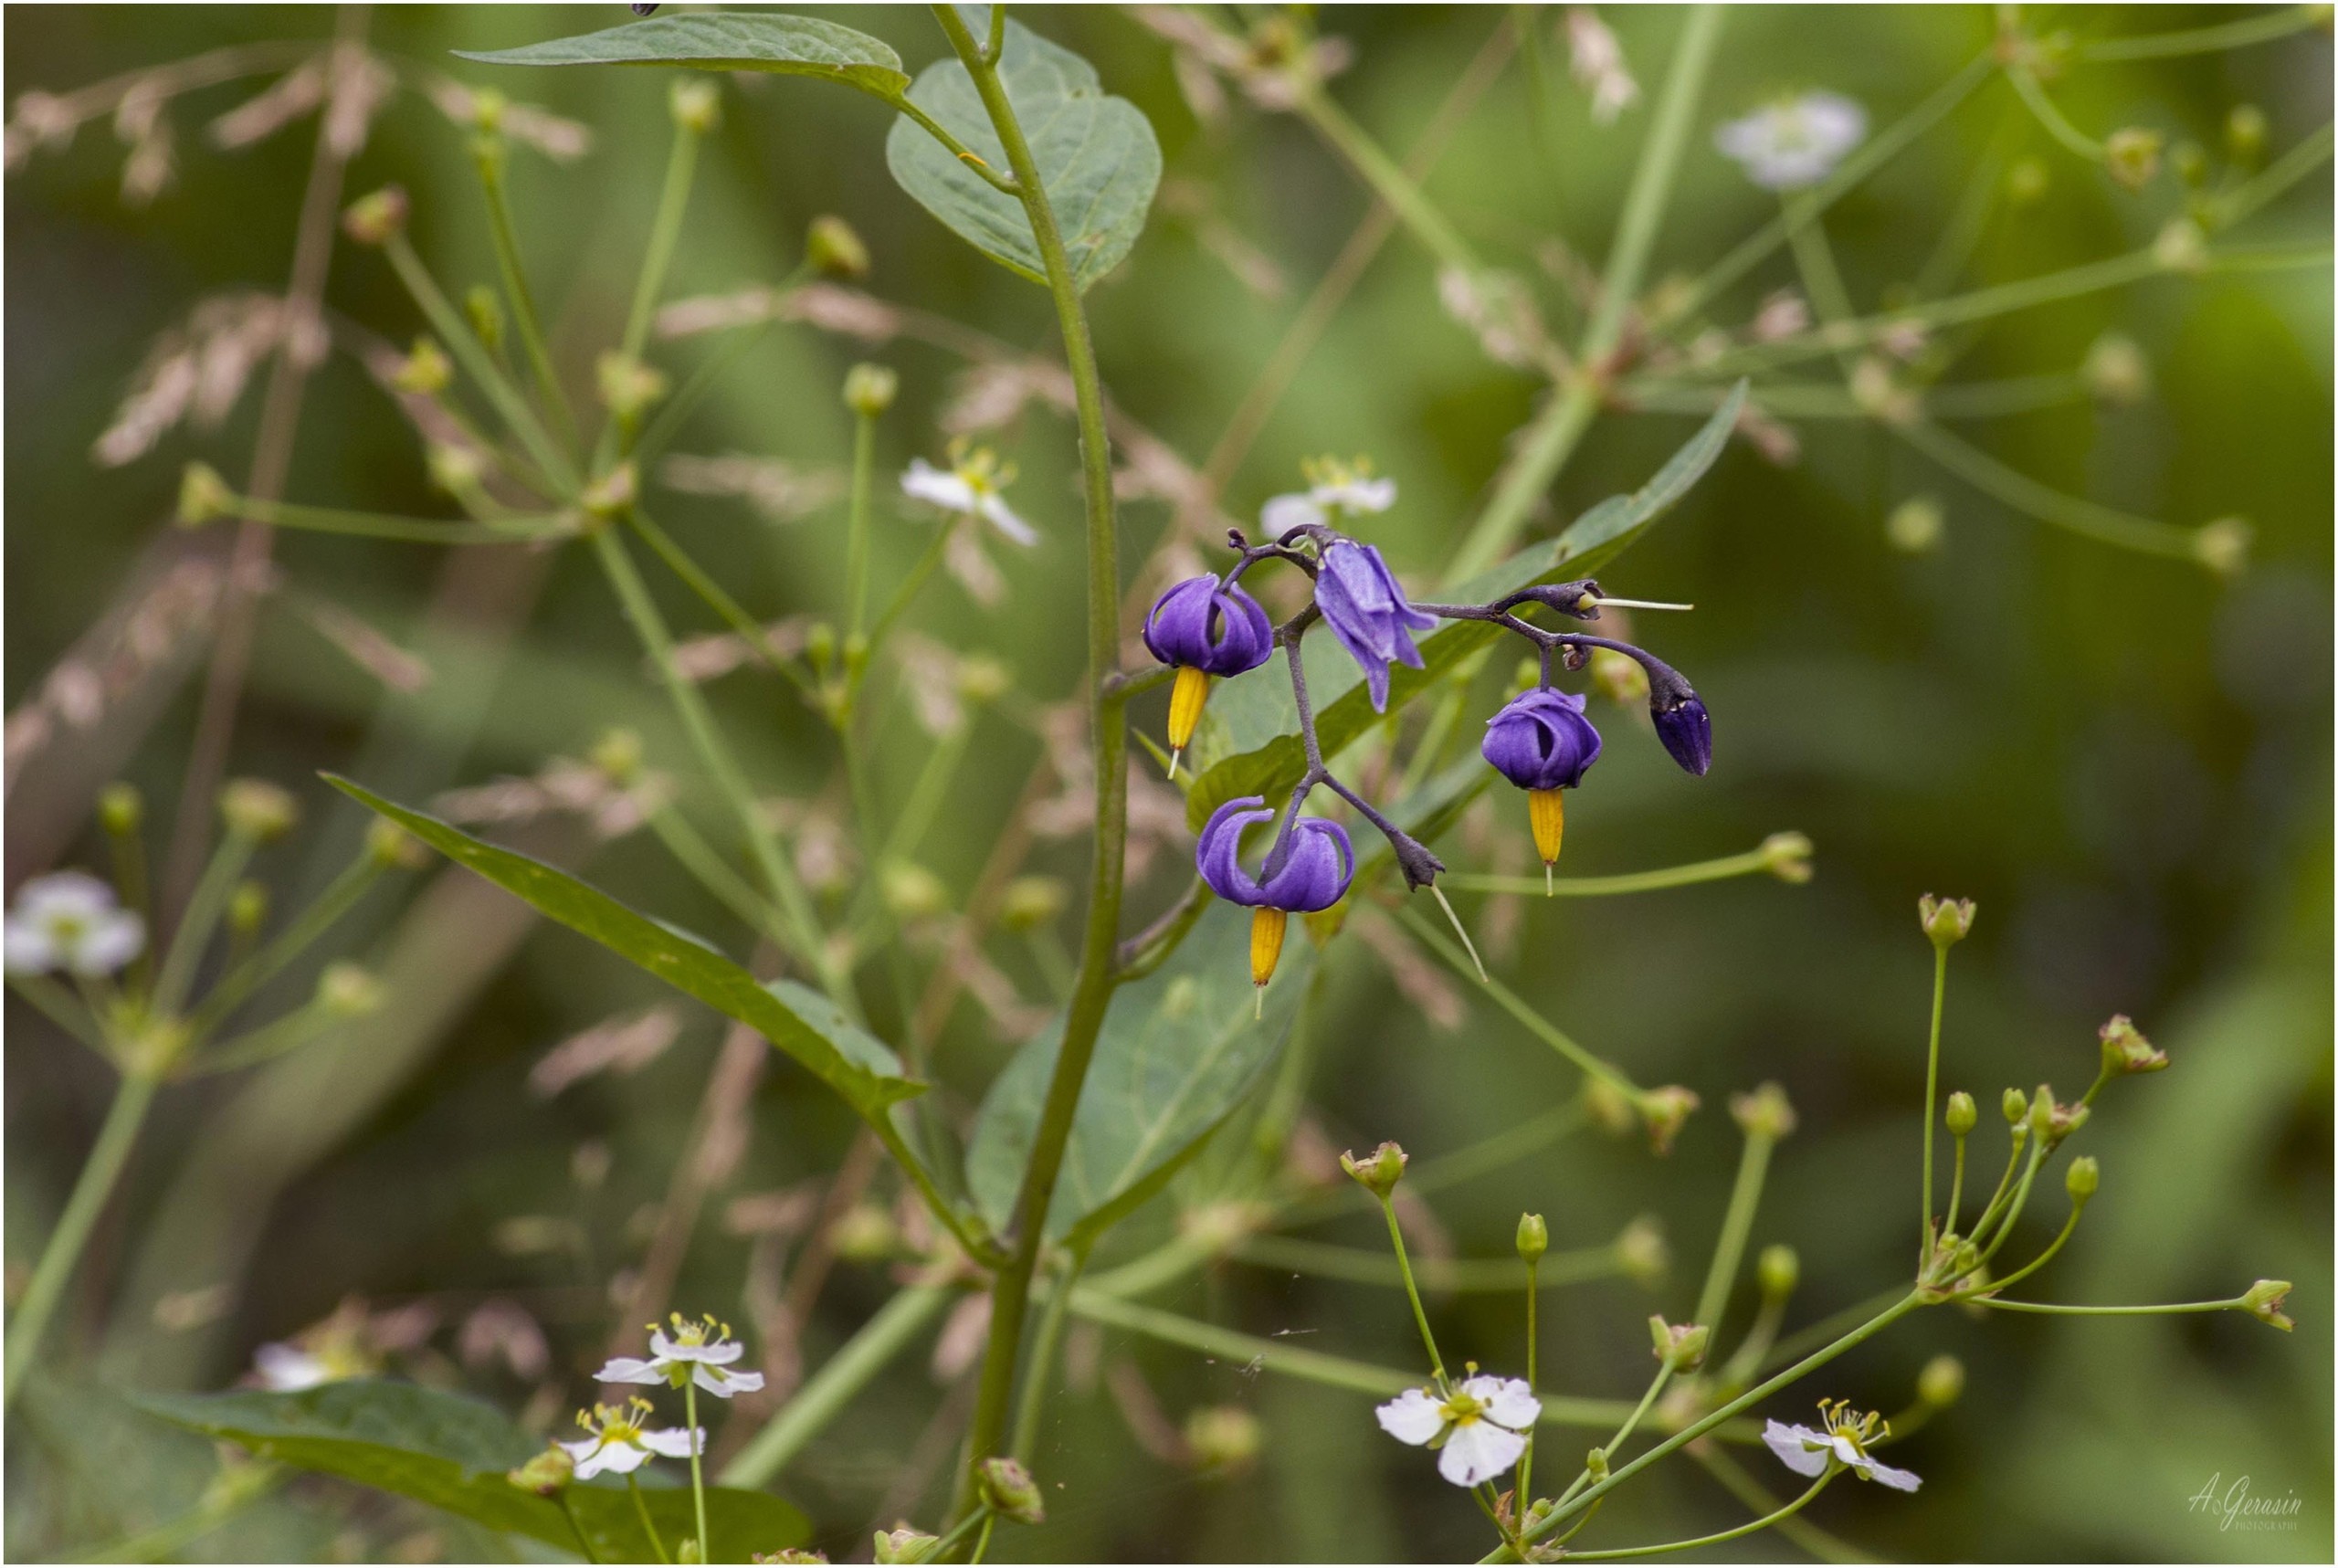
(1542, 741)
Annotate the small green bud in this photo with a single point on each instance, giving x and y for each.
(2131, 156)
(2082, 1178)
(545, 1474)
(486, 312)
(696, 104)
(202, 496)
(869, 389)
(1030, 902)
(2222, 546)
(613, 491)
(1680, 1346)
(1533, 1237)
(347, 990)
(2116, 372)
(865, 1233)
(790, 1555)
(2264, 1303)
(1779, 1270)
(820, 644)
(393, 848)
(1941, 1383)
(1915, 525)
(375, 219)
(1962, 1114)
(2016, 1106)
(121, 808)
(833, 247)
(488, 105)
(903, 1544)
(1764, 1113)
(2181, 247)
(628, 386)
(1010, 1491)
(1223, 1437)
(1786, 857)
(2245, 129)
(1641, 1251)
(1611, 1109)
(257, 810)
(2041, 1112)
(2124, 1049)
(426, 372)
(246, 908)
(911, 891)
(452, 469)
(1596, 1463)
(1379, 1171)
(2188, 161)
(617, 754)
(2027, 182)
(1945, 921)
(982, 678)
(1663, 1111)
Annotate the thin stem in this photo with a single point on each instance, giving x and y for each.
(1389, 182)
(1729, 1249)
(641, 1510)
(1465, 1275)
(1534, 1347)
(2238, 1303)
(1623, 1433)
(2262, 30)
(99, 1172)
(204, 909)
(1720, 869)
(1833, 1326)
(2004, 1182)
(753, 633)
(62, 1008)
(665, 231)
(285, 1035)
(981, 1542)
(940, 1551)
(1412, 1291)
(2275, 178)
(2043, 1258)
(2033, 94)
(576, 1526)
(1788, 1511)
(828, 1391)
(1517, 1008)
(1720, 1465)
(488, 156)
(1931, 1093)
(1955, 1189)
(697, 1463)
(964, 154)
(413, 529)
(1042, 1354)
(856, 558)
(697, 858)
(2048, 505)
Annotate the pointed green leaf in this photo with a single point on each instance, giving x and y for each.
(1096, 154)
(451, 1451)
(1179, 1050)
(801, 1023)
(1271, 767)
(725, 41)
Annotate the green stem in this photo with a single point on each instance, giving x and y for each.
(2043, 1258)
(2033, 94)
(2237, 1304)
(2276, 177)
(1623, 1433)
(204, 909)
(131, 882)
(856, 555)
(340, 896)
(707, 868)
(981, 1542)
(940, 1551)
(2261, 29)
(1931, 1093)
(906, 591)
(270, 1040)
(2048, 505)
(62, 1008)
(1833, 1326)
(1084, 1019)
(1533, 1349)
(1042, 1354)
(698, 1464)
(576, 1527)
(2039, 1154)
(1716, 871)
(413, 529)
(1788, 1511)
(107, 1157)
(2005, 1183)
(1729, 1250)
(1733, 1476)
(665, 231)
(1466, 1275)
(487, 153)
(641, 1510)
(1389, 182)
(1516, 1007)
(753, 633)
(1412, 1291)
(1955, 1189)
(826, 1393)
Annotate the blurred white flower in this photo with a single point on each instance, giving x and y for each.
(971, 487)
(701, 1352)
(1794, 143)
(1597, 62)
(70, 920)
(615, 1440)
(1480, 1431)
(1336, 491)
(1809, 1452)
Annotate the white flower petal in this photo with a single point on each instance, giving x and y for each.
(618, 1458)
(582, 1449)
(1479, 1451)
(25, 947)
(1509, 1400)
(723, 1384)
(928, 483)
(1411, 1417)
(1848, 1451)
(73, 895)
(1360, 495)
(674, 1442)
(112, 939)
(287, 1369)
(1002, 517)
(1898, 1481)
(1283, 513)
(626, 1369)
(1794, 1445)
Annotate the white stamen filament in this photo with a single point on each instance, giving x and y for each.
(1604, 602)
(1461, 931)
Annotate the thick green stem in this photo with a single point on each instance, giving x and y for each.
(107, 1157)
(1084, 1019)
(827, 1393)
(1042, 1354)
(698, 1466)
(1744, 1198)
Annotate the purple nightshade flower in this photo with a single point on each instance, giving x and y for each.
(1368, 612)
(1314, 875)
(1542, 742)
(1686, 731)
(1204, 630)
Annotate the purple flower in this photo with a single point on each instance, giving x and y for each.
(1542, 740)
(1198, 624)
(1368, 612)
(1313, 875)
(1686, 731)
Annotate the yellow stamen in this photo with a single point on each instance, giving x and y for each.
(1266, 947)
(1186, 702)
(1547, 810)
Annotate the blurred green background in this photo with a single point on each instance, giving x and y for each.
(2124, 760)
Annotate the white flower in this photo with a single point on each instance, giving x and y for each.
(1481, 1430)
(1808, 1452)
(616, 1441)
(970, 486)
(1336, 491)
(69, 920)
(1794, 143)
(1596, 61)
(332, 1351)
(703, 1352)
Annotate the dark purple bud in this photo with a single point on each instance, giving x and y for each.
(640, 10)
(1368, 612)
(1579, 599)
(1686, 731)
(1542, 740)
(1198, 625)
(1317, 864)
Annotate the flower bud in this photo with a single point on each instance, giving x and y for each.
(1609, 1106)
(545, 1474)
(2222, 546)
(613, 491)
(392, 847)
(787, 1555)
(1223, 1437)
(347, 990)
(1945, 921)
(1941, 1383)
(1764, 1113)
(121, 808)
(2041, 1112)
(1680, 1346)
(2181, 247)
(486, 312)
(696, 104)
(246, 908)
(202, 496)
(1786, 857)
(1533, 1237)
(2116, 371)
(869, 389)
(1916, 524)
(1663, 1111)
(2016, 1106)
(982, 678)
(2245, 130)
(903, 1544)
(1030, 902)
(911, 891)
(427, 372)
(1778, 1271)
(1641, 1251)
(628, 386)
(454, 470)
(1594, 1464)
(375, 219)
(2131, 156)
(257, 810)
(2083, 1177)
(2027, 182)
(864, 1233)
(1010, 1492)
(833, 247)
(2124, 1049)
(617, 754)
(1962, 1114)
(2264, 1303)
(1379, 1171)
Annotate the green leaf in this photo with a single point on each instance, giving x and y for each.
(1343, 710)
(726, 41)
(1096, 154)
(801, 1023)
(1178, 1053)
(451, 1451)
